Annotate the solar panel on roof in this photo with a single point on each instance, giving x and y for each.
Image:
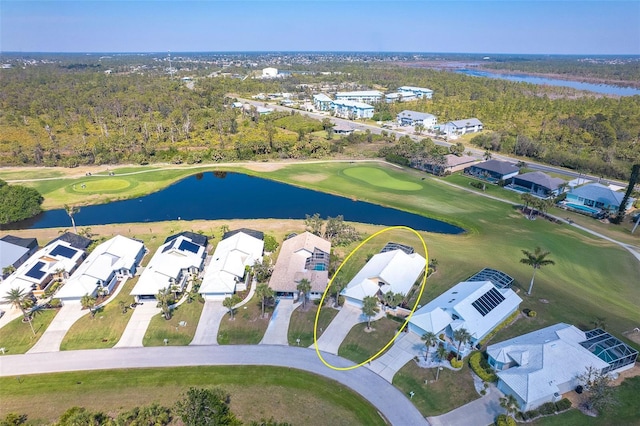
(64, 252)
(36, 271)
(488, 301)
(189, 246)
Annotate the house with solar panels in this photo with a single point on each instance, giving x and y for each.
(109, 263)
(227, 272)
(173, 264)
(540, 366)
(56, 260)
(477, 306)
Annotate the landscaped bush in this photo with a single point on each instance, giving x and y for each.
(563, 404)
(547, 408)
(532, 314)
(55, 303)
(479, 365)
(455, 363)
(531, 414)
(504, 420)
(500, 326)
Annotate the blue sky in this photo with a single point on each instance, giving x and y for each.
(553, 27)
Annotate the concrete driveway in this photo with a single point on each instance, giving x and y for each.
(340, 326)
(209, 323)
(481, 412)
(389, 401)
(62, 322)
(406, 346)
(278, 329)
(137, 325)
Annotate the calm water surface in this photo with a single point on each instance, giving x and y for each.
(234, 196)
(525, 78)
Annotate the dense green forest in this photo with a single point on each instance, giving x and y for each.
(18, 202)
(62, 115)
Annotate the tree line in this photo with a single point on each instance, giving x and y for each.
(18, 202)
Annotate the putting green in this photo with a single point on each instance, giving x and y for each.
(101, 185)
(380, 178)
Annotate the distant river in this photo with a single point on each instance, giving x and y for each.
(223, 195)
(525, 78)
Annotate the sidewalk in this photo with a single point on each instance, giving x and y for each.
(60, 325)
(138, 324)
(278, 329)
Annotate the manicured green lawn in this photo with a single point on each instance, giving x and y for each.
(105, 328)
(626, 412)
(178, 335)
(381, 179)
(17, 337)
(247, 328)
(287, 395)
(452, 390)
(362, 343)
(301, 324)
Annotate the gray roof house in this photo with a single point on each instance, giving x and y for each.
(14, 251)
(536, 183)
(460, 127)
(412, 118)
(540, 366)
(493, 170)
(598, 196)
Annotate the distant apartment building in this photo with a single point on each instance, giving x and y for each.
(413, 118)
(400, 97)
(322, 102)
(364, 96)
(352, 110)
(420, 92)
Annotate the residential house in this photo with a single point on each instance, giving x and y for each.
(393, 271)
(420, 92)
(537, 183)
(413, 118)
(322, 102)
(440, 165)
(342, 129)
(461, 127)
(363, 96)
(304, 256)
(400, 97)
(179, 258)
(263, 110)
(597, 196)
(352, 109)
(477, 306)
(237, 252)
(14, 251)
(540, 366)
(108, 263)
(57, 260)
(493, 170)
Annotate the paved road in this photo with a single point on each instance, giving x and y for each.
(406, 346)
(54, 334)
(389, 401)
(137, 325)
(278, 329)
(481, 412)
(209, 323)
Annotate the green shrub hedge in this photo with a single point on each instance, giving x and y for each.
(479, 365)
(563, 404)
(455, 363)
(504, 420)
(547, 408)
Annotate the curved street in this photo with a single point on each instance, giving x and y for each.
(389, 401)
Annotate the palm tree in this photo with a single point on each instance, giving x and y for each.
(536, 260)
(8, 270)
(18, 298)
(461, 336)
(526, 200)
(338, 286)
(370, 308)
(442, 353)
(509, 403)
(304, 286)
(88, 302)
(429, 338)
(230, 302)
(264, 292)
(164, 302)
(487, 155)
(71, 211)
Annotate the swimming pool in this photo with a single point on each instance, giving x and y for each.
(582, 208)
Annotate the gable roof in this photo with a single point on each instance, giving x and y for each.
(10, 253)
(497, 166)
(541, 179)
(414, 89)
(200, 239)
(251, 232)
(545, 359)
(75, 240)
(599, 192)
(394, 271)
(467, 301)
(352, 104)
(453, 160)
(415, 115)
(27, 243)
(466, 122)
(228, 262)
(321, 97)
(360, 93)
(290, 266)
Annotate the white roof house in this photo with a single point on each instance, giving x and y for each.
(394, 271)
(117, 257)
(38, 271)
(228, 263)
(400, 97)
(422, 92)
(169, 267)
(477, 306)
(540, 366)
(360, 96)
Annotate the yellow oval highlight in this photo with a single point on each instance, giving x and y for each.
(422, 286)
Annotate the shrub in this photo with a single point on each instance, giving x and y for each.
(455, 363)
(547, 408)
(532, 314)
(531, 414)
(504, 420)
(480, 368)
(55, 303)
(563, 404)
